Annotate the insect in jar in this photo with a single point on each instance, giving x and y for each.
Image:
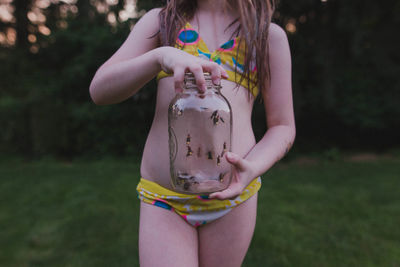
(218, 160)
(221, 177)
(184, 178)
(176, 110)
(209, 155)
(188, 139)
(181, 177)
(186, 185)
(189, 151)
(216, 117)
(224, 150)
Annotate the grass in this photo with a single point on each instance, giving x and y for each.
(318, 213)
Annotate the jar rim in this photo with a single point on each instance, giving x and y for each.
(190, 81)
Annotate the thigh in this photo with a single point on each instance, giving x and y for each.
(165, 239)
(224, 242)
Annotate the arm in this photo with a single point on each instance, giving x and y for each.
(278, 107)
(140, 58)
(133, 65)
(280, 120)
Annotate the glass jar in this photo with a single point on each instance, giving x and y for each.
(200, 133)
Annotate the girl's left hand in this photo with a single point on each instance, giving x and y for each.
(241, 177)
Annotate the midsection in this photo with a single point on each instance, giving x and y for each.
(155, 160)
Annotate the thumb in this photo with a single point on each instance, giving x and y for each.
(236, 160)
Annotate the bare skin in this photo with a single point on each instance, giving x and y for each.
(165, 239)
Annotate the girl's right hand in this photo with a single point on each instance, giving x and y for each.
(173, 60)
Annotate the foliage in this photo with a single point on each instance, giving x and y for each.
(345, 81)
(344, 70)
(46, 104)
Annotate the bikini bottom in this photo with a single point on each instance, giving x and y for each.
(194, 209)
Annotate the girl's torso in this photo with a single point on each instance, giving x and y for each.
(155, 160)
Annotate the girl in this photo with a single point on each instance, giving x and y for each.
(254, 59)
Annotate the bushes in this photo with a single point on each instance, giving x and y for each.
(45, 107)
(345, 84)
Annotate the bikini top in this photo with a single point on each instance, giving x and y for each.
(229, 55)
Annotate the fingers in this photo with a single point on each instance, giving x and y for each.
(179, 62)
(229, 193)
(224, 74)
(236, 160)
(242, 172)
(198, 68)
(216, 76)
(216, 72)
(179, 75)
(197, 71)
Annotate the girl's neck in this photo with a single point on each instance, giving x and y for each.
(214, 6)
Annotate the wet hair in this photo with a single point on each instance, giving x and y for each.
(252, 26)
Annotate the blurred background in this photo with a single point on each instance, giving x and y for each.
(69, 168)
(345, 77)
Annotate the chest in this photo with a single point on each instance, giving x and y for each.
(213, 32)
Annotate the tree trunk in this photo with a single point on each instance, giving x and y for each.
(22, 8)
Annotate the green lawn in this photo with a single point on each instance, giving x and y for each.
(311, 214)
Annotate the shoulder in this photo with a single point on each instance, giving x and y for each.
(147, 26)
(276, 35)
(142, 38)
(278, 44)
(151, 18)
(153, 13)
